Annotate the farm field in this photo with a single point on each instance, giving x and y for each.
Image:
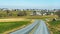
(12, 24)
(54, 27)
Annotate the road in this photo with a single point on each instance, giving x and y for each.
(38, 27)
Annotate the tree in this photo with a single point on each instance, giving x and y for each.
(21, 13)
(42, 12)
(7, 12)
(58, 13)
(34, 12)
(1, 9)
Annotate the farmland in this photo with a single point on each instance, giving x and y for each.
(13, 19)
(6, 26)
(54, 27)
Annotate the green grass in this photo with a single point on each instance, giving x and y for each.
(54, 25)
(5, 26)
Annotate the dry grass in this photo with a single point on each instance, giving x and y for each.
(12, 19)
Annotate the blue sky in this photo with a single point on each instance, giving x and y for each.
(36, 4)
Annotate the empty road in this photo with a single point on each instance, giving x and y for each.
(38, 27)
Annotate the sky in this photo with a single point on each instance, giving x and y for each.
(30, 4)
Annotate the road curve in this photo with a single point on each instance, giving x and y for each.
(38, 27)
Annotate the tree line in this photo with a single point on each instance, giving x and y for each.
(17, 12)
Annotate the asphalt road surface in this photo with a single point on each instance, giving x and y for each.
(38, 27)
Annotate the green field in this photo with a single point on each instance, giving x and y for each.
(55, 26)
(5, 26)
